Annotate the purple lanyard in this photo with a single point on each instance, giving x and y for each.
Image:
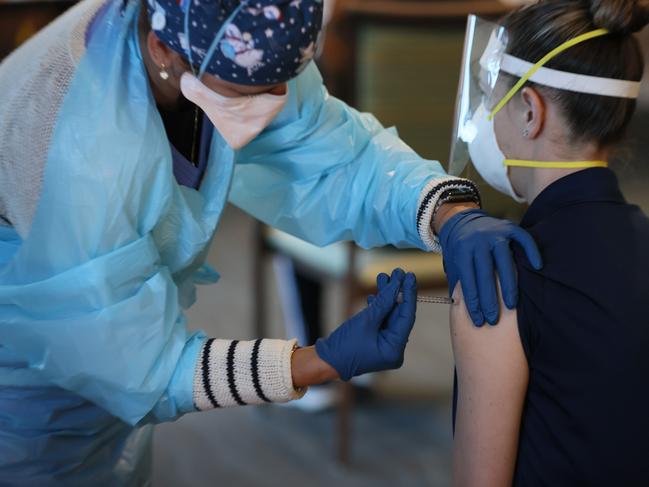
(186, 173)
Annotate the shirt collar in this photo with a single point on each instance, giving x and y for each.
(596, 184)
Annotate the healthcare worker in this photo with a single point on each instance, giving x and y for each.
(125, 129)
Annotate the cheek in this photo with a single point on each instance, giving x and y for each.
(504, 134)
(279, 90)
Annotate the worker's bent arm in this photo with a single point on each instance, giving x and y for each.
(325, 172)
(239, 373)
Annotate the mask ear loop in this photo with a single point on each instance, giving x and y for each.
(217, 38)
(556, 165)
(548, 57)
(189, 44)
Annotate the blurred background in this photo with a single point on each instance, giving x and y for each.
(398, 59)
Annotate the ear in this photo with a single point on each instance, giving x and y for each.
(161, 55)
(534, 113)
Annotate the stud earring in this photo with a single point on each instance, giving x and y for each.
(163, 73)
(526, 133)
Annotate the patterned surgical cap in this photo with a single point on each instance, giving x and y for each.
(266, 42)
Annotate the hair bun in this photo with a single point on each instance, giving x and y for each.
(620, 16)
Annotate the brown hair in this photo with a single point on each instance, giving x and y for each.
(536, 29)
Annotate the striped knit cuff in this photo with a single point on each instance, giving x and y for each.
(234, 373)
(427, 205)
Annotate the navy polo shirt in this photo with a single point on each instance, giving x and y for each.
(584, 325)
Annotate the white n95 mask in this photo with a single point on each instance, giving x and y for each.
(238, 119)
(486, 155)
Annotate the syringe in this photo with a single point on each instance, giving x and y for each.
(428, 299)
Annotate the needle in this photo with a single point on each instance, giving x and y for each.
(428, 299)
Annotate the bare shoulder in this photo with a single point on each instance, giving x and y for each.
(488, 341)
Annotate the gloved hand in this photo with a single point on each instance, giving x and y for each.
(471, 242)
(375, 339)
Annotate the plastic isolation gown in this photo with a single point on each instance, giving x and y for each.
(93, 340)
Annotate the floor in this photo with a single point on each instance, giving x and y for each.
(396, 444)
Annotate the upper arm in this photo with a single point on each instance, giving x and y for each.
(492, 376)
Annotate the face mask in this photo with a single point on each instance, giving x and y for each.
(238, 119)
(487, 157)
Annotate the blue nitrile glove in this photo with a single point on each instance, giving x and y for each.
(375, 339)
(471, 242)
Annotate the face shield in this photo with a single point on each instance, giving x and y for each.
(484, 47)
(482, 94)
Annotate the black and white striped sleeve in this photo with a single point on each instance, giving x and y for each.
(237, 373)
(427, 205)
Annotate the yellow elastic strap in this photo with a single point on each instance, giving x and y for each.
(555, 52)
(555, 165)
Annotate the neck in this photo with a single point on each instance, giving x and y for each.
(530, 182)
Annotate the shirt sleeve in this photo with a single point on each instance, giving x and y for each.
(325, 172)
(530, 303)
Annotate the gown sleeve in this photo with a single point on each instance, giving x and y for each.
(324, 172)
(119, 339)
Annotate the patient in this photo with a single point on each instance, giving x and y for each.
(556, 393)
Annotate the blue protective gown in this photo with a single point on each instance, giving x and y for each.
(93, 339)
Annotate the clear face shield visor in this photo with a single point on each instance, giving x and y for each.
(484, 47)
(486, 79)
